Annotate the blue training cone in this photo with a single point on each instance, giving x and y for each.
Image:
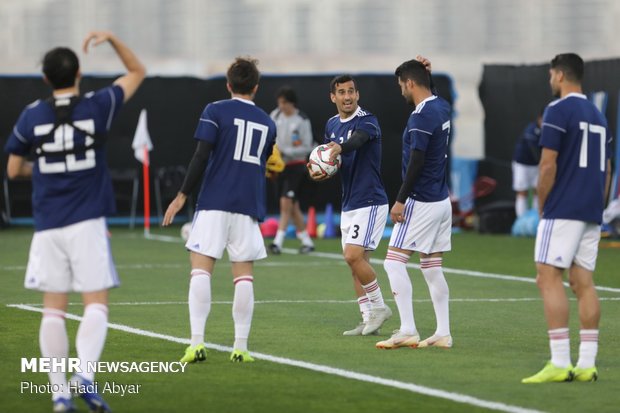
(330, 229)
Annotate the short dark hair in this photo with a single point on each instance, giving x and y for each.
(243, 75)
(287, 93)
(414, 70)
(341, 79)
(570, 64)
(60, 66)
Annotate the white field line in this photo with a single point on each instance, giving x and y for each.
(454, 300)
(185, 265)
(164, 238)
(470, 273)
(414, 388)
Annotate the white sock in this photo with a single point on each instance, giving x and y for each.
(402, 289)
(588, 347)
(242, 310)
(305, 238)
(535, 202)
(373, 292)
(521, 205)
(364, 304)
(199, 300)
(440, 293)
(54, 342)
(560, 347)
(279, 238)
(91, 336)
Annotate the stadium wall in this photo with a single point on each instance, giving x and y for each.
(174, 105)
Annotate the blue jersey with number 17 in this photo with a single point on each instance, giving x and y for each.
(361, 169)
(576, 129)
(72, 187)
(242, 135)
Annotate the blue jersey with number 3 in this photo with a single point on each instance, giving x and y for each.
(243, 135)
(68, 188)
(428, 130)
(576, 129)
(361, 169)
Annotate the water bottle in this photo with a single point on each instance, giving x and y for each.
(296, 138)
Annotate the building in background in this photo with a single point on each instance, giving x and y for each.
(199, 37)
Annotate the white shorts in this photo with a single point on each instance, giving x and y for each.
(427, 227)
(72, 258)
(524, 176)
(363, 226)
(562, 242)
(214, 231)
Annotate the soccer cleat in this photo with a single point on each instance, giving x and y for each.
(194, 354)
(274, 249)
(399, 339)
(436, 341)
(87, 391)
(590, 374)
(550, 374)
(239, 356)
(62, 405)
(306, 249)
(357, 331)
(377, 317)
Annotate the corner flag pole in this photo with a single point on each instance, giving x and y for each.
(141, 146)
(147, 192)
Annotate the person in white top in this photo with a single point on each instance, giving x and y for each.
(294, 141)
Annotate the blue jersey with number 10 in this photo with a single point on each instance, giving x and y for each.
(576, 129)
(242, 135)
(68, 187)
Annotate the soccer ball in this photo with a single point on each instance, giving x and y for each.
(185, 230)
(319, 161)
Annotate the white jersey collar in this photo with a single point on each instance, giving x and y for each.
(577, 95)
(420, 105)
(357, 111)
(249, 102)
(64, 95)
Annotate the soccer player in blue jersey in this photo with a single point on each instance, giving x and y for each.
(235, 138)
(573, 185)
(355, 134)
(72, 195)
(525, 160)
(422, 213)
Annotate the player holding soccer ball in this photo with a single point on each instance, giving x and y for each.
(355, 134)
(234, 140)
(72, 195)
(422, 212)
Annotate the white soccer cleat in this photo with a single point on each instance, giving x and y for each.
(436, 341)
(377, 317)
(357, 331)
(399, 339)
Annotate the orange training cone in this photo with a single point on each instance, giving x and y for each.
(311, 225)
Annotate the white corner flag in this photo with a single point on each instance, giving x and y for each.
(142, 144)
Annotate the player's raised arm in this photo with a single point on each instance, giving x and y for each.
(425, 62)
(135, 69)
